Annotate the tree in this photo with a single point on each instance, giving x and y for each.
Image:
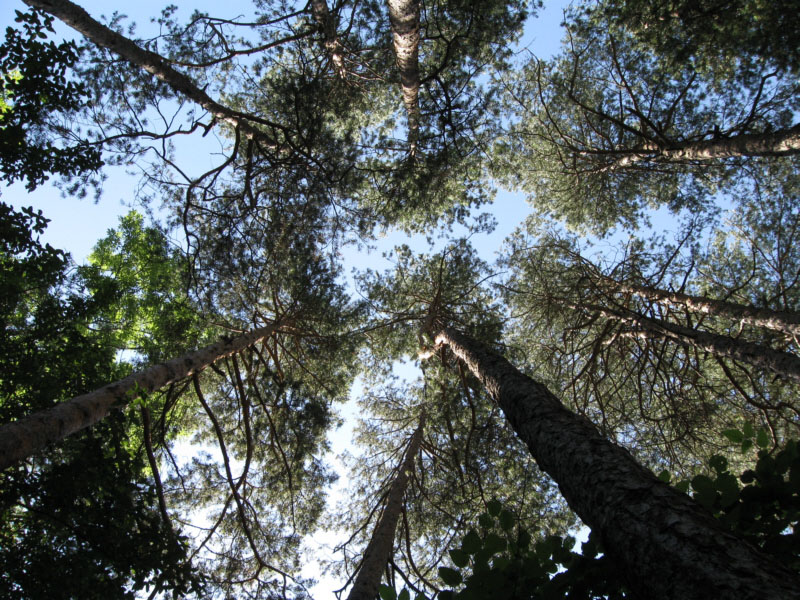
(35, 89)
(306, 103)
(378, 552)
(688, 553)
(614, 120)
(88, 504)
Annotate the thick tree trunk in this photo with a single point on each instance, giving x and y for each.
(321, 14)
(379, 549)
(666, 545)
(22, 438)
(787, 322)
(783, 142)
(77, 18)
(723, 346)
(404, 18)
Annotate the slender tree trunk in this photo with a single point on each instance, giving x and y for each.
(379, 549)
(77, 18)
(22, 438)
(783, 142)
(321, 14)
(404, 18)
(723, 346)
(665, 544)
(787, 322)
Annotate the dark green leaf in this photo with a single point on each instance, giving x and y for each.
(506, 520)
(387, 592)
(493, 507)
(472, 542)
(762, 439)
(734, 435)
(450, 576)
(460, 557)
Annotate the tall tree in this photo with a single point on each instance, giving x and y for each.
(378, 552)
(612, 120)
(665, 544)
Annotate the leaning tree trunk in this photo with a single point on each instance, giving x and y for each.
(723, 346)
(379, 550)
(787, 322)
(404, 18)
(665, 545)
(100, 35)
(22, 438)
(783, 142)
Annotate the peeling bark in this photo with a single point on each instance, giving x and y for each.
(787, 322)
(783, 142)
(321, 14)
(77, 18)
(30, 434)
(404, 18)
(379, 549)
(665, 545)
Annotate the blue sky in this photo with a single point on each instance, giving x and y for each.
(77, 224)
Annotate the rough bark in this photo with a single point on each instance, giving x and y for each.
(77, 18)
(22, 438)
(787, 322)
(666, 545)
(379, 549)
(326, 22)
(404, 18)
(723, 346)
(783, 142)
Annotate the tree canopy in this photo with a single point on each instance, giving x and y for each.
(168, 408)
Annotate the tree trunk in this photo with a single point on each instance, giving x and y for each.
(787, 322)
(723, 346)
(30, 434)
(783, 142)
(77, 18)
(321, 14)
(665, 544)
(404, 18)
(379, 549)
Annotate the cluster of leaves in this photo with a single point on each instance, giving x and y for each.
(88, 504)
(766, 509)
(501, 560)
(34, 86)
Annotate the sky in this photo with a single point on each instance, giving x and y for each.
(77, 224)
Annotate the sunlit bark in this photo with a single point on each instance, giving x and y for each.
(22, 438)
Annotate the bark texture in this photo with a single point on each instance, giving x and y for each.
(77, 18)
(22, 438)
(379, 549)
(763, 357)
(787, 322)
(404, 18)
(326, 22)
(783, 142)
(666, 545)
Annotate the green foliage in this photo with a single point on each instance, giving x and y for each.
(35, 89)
(499, 561)
(88, 504)
(152, 314)
(766, 509)
(502, 561)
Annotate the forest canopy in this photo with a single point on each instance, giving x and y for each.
(625, 367)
